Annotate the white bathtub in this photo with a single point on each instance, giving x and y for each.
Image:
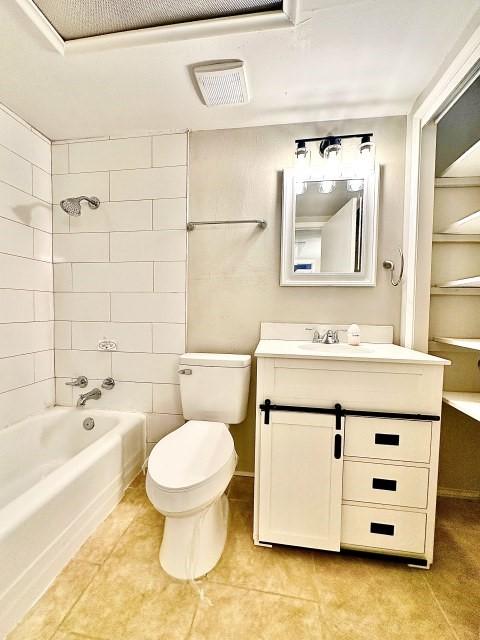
(57, 483)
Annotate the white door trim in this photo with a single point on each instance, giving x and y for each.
(424, 110)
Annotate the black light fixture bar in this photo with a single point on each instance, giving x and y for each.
(345, 137)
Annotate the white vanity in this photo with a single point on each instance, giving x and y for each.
(347, 443)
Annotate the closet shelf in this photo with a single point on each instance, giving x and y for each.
(464, 343)
(467, 225)
(455, 291)
(468, 403)
(463, 283)
(456, 237)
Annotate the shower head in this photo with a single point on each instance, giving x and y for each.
(72, 206)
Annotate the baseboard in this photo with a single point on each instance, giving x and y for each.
(464, 494)
(244, 474)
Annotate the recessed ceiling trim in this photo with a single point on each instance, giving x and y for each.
(280, 19)
(43, 25)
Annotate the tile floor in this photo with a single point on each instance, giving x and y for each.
(114, 588)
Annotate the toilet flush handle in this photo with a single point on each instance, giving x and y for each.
(185, 372)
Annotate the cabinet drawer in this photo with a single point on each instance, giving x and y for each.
(388, 439)
(385, 484)
(383, 529)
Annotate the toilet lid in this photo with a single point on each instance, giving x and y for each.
(190, 455)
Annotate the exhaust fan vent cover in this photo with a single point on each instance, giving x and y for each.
(222, 83)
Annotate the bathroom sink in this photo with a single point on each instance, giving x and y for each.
(333, 349)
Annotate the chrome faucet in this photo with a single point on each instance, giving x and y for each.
(81, 382)
(94, 394)
(329, 337)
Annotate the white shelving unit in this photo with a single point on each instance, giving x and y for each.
(465, 230)
(467, 403)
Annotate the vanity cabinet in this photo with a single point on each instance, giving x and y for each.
(376, 491)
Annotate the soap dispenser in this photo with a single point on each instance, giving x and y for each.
(353, 335)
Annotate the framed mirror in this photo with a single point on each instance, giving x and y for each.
(329, 229)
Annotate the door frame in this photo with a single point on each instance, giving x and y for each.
(458, 72)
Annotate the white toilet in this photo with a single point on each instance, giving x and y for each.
(189, 469)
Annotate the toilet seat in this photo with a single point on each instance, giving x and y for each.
(191, 466)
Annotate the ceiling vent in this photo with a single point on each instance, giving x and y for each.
(222, 83)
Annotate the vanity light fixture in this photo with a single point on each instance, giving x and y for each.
(330, 147)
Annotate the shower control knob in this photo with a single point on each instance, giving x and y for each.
(108, 384)
(81, 382)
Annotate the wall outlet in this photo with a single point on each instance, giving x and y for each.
(107, 345)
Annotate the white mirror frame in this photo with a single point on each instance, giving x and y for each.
(364, 278)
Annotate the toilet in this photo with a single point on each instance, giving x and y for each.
(190, 469)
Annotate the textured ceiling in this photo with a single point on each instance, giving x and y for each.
(345, 59)
(83, 18)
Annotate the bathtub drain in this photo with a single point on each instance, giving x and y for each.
(88, 424)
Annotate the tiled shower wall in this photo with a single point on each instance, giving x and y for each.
(26, 298)
(119, 272)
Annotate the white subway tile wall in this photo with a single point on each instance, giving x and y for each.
(26, 276)
(119, 272)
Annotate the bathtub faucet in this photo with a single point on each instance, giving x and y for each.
(94, 394)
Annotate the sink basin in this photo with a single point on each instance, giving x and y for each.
(333, 349)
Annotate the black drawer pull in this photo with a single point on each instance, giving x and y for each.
(337, 448)
(384, 529)
(383, 484)
(387, 438)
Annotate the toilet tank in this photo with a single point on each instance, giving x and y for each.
(214, 386)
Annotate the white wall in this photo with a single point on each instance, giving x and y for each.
(26, 298)
(119, 272)
(233, 281)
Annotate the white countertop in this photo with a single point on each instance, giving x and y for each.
(366, 351)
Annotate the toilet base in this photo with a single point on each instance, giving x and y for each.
(192, 545)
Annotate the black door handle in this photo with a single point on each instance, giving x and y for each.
(337, 447)
(387, 438)
(384, 484)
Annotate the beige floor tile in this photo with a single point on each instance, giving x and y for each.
(241, 488)
(165, 614)
(452, 512)
(282, 570)
(455, 580)
(106, 606)
(99, 545)
(373, 599)
(44, 618)
(240, 614)
(62, 635)
(139, 481)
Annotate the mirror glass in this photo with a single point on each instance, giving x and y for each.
(328, 226)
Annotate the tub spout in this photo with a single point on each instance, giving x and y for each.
(94, 394)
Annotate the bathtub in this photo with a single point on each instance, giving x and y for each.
(58, 482)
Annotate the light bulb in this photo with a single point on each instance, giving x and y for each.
(367, 149)
(300, 187)
(354, 185)
(326, 186)
(301, 153)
